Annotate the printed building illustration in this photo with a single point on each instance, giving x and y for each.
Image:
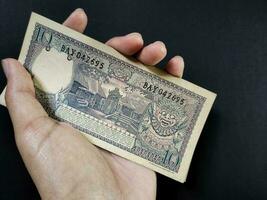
(113, 106)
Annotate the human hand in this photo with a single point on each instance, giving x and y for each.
(62, 163)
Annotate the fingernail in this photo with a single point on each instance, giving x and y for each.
(5, 65)
(180, 60)
(80, 9)
(162, 46)
(134, 35)
(163, 49)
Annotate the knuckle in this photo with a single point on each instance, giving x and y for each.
(10, 94)
(38, 133)
(39, 124)
(13, 93)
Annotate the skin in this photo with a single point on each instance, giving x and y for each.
(61, 162)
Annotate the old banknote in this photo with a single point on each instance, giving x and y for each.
(138, 112)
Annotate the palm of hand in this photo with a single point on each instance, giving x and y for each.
(61, 161)
(64, 164)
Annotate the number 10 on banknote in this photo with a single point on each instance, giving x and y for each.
(135, 111)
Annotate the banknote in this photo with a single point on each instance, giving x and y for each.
(135, 111)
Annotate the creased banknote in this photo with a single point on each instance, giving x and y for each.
(138, 112)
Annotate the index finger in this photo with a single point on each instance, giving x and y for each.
(77, 20)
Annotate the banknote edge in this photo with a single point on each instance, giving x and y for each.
(182, 173)
(109, 50)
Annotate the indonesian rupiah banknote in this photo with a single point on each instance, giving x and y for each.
(138, 112)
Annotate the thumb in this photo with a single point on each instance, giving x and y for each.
(49, 161)
(20, 96)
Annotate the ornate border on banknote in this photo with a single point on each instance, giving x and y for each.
(200, 99)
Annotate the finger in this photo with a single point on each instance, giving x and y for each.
(153, 53)
(175, 66)
(77, 20)
(20, 97)
(128, 44)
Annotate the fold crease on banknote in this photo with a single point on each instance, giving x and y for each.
(135, 111)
